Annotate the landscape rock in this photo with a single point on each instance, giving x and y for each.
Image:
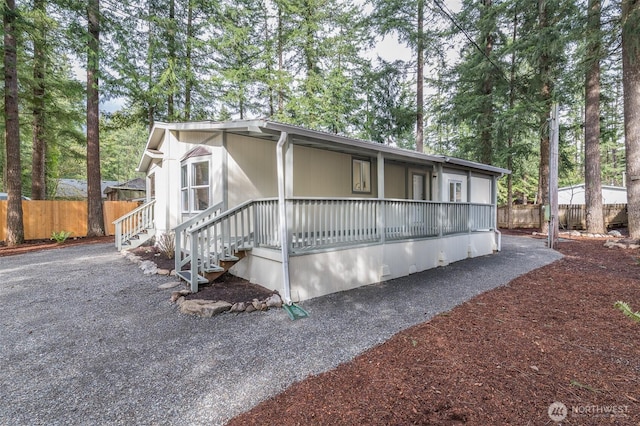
(250, 308)
(238, 307)
(204, 308)
(274, 301)
(169, 285)
(177, 294)
(180, 300)
(615, 233)
(148, 267)
(163, 272)
(575, 233)
(610, 244)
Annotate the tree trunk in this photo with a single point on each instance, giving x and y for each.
(420, 80)
(593, 184)
(631, 85)
(172, 59)
(15, 227)
(280, 61)
(39, 149)
(151, 105)
(546, 87)
(486, 149)
(95, 221)
(189, 80)
(512, 101)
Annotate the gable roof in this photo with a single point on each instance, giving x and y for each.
(266, 129)
(77, 188)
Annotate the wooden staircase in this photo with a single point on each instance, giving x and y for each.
(138, 239)
(208, 244)
(136, 227)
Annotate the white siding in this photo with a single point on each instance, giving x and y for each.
(318, 274)
(480, 189)
(319, 173)
(252, 169)
(394, 181)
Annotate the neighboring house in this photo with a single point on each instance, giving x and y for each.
(133, 190)
(76, 189)
(315, 212)
(4, 195)
(574, 194)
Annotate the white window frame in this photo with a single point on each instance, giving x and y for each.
(455, 191)
(360, 176)
(151, 178)
(189, 187)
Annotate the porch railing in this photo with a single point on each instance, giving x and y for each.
(133, 223)
(319, 223)
(182, 256)
(248, 225)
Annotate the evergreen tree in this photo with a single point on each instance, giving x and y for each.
(407, 20)
(631, 81)
(593, 186)
(15, 226)
(95, 219)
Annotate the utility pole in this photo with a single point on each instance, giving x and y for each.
(554, 136)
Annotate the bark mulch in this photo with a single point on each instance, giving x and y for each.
(39, 245)
(504, 357)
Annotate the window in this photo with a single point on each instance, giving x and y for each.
(152, 186)
(361, 175)
(194, 186)
(455, 191)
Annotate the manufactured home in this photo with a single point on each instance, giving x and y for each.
(313, 212)
(575, 194)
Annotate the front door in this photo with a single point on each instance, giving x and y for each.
(418, 186)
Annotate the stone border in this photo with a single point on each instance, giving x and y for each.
(583, 234)
(209, 308)
(148, 267)
(200, 307)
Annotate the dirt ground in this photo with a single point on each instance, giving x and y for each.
(39, 245)
(504, 357)
(550, 336)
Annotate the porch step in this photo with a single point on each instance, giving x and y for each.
(229, 258)
(139, 239)
(214, 268)
(186, 275)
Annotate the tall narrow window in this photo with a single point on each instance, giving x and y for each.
(200, 185)
(455, 191)
(184, 188)
(361, 175)
(152, 186)
(195, 184)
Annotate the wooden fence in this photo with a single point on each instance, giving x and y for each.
(572, 216)
(42, 218)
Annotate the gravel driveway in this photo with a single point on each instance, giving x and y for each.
(86, 338)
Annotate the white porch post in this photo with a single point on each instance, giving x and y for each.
(381, 204)
(469, 201)
(225, 173)
(440, 198)
(282, 213)
(494, 212)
